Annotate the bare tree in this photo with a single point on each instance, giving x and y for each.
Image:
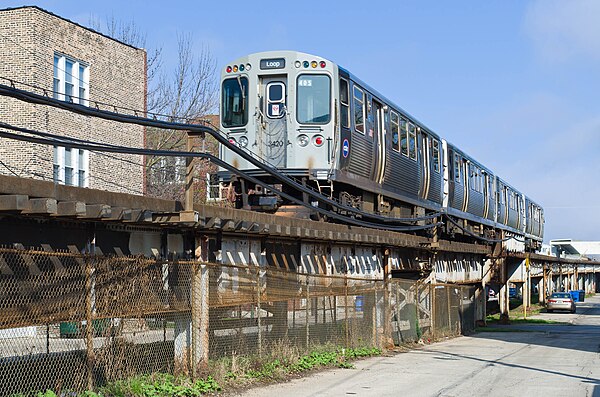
(188, 93)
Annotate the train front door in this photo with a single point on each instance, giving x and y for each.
(272, 138)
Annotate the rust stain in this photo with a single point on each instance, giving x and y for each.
(236, 163)
(311, 162)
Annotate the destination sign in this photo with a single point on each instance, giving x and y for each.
(274, 63)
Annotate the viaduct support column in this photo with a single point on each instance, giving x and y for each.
(503, 298)
(543, 287)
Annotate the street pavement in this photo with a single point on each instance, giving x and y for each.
(537, 360)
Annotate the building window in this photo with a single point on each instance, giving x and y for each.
(169, 170)
(71, 80)
(71, 166)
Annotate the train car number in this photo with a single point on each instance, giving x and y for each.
(275, 144)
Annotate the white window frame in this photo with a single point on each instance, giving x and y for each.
(76, 165)
(80, 78)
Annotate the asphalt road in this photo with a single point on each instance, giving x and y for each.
(547, 360)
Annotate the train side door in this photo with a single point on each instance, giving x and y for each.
(466, 177)
(425, 163)
(379, 137)
(486, 195)
(273, 137)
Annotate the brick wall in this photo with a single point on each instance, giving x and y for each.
(29, 38)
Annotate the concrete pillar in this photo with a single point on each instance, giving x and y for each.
(200, 312)
(480, 305)
(503, 299)
(543, 285)
(183, 321)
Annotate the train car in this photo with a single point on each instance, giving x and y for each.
(318, 123)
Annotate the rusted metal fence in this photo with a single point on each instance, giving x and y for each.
(75, 322)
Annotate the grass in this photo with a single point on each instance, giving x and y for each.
(515, 315)
(230, 372)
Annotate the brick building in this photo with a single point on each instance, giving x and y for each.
(73, 63)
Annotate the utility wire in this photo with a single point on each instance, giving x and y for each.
(198, 129)
(49, 139)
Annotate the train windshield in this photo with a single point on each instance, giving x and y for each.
(314, 99)
(233, 107)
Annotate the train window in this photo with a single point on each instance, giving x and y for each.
(435, 152)
(412, 141)
(313, 99)
(359, 110)
(404, 137)
(395, 127)
(470, 174)
(457, 163)
(345, 108)
(234, 109)
(276, 100)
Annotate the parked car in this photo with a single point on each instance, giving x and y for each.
(560, 301)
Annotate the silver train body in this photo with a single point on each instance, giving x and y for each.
(318, 122)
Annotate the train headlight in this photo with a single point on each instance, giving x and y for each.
(235, 68)
(305, 64)
(232, 141)
(322, 64)
(242, 67)
(297, 64)
(303, 140)
(243, 141)
(313, 64)
(228, 69)
(318, 140)
(248, 66)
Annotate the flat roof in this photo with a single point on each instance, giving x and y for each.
(74, 23)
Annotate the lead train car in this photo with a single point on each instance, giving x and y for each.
(317, 122)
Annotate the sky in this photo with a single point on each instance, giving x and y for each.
(515, 84)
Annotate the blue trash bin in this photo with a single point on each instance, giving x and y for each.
(574, 295)
(358, 304)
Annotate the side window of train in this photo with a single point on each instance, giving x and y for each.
(395, 128)
(471, 175)
(457, 163)
(404, 136)
(359, 110)
(344, 101)
(412, 141)
(435, 154)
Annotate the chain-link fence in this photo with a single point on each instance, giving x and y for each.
(76, 322)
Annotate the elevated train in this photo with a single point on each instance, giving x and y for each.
(319, 123)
